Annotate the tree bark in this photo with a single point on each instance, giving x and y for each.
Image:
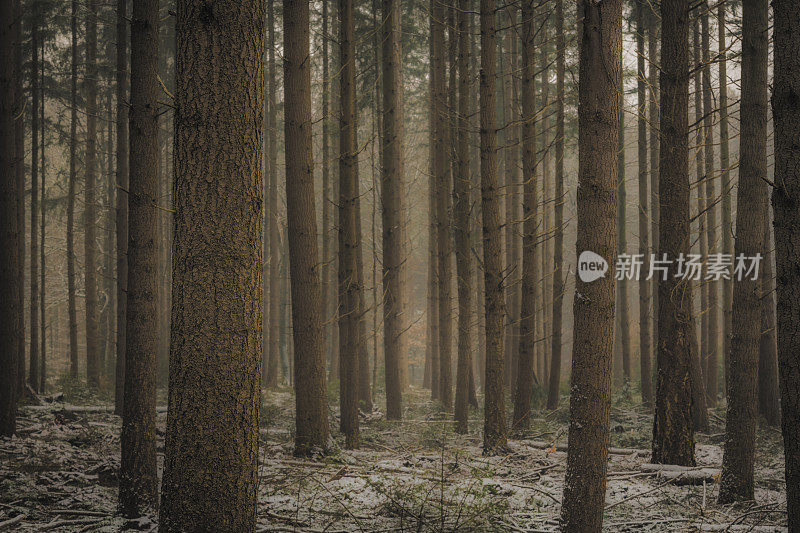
(394, 316)
(210, 474)
(742, 386)
(73, 177)
(327, 201)
(655, 145)
(138, 487)
(673, 431)
(785, 198)
(122, 201)
(768, 391)
(494, 427)
(33, 368)
(272, 206)
(599, 89)
(558, 211)
(309, 359)
(41, 378)
(526, 373)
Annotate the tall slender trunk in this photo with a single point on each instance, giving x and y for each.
(441, 175)
(41, 378)
(711, 200)
(309, 359)
(138, 488)
(768, 392)
(461, 209)
(645, 316)
(546, 201)
(19, 171)
(525, 376)
(89, 211)
(785, 195)
(73, 178)
(122, 201)
(742, 386)
(33, 369)
(327, 201)
(726, 183)
(391, 193)
(210, 468)
(599, 75)
(494, 427)
(10, 106)
(623, 337)
(655, 145)
(272, 205)
(673, 432)
(350, 309)
(558, 222)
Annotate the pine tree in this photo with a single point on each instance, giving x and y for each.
(122, 201)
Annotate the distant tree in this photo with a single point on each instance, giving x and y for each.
(73, 179)
(210, 468)
(742, 384)
(494, 427)
(673, 431)
(271, 212)
(600, 67)
(785, 194)
(769, 405)
(306, 315)
(33, 368)
(122, 200)
(726, 179)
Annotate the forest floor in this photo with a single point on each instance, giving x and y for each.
(60, 474)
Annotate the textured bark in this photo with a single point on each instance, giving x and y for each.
(530, 273)
(327, 201)
(73, 178)
(645, 341)
(394, 318)
(10, 105)
(709, 180)
(272, 206)
(546, 223)
(494, 426)
(33, 352)
(600, 74)
(210, 471)
(309, 359)
(350, 309)
(138, 486)
(673, 432)
(726, 181)
(768, 391)
(461, 219)
(19, 171)
(742, 384)
(785, 199)
(558, 211)
(89, 210)
(122, 201)
(655, 148)
(441, 175)
(40, 378)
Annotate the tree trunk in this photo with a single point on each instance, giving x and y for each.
(785, 195)
(727, 183)
(441, 175)
(73, 177)
(645, 341)
(89, 211)
(309, 359)
(272, 206)
(33, 373)
(461, 209)
(327, 201)
(623, 337)
(40, 379)
(122, 201)
(558, 222)
(494, 427)
(742, 385)
(768, 394)
(673, 432)
(526, 373)
(210, 469)
(655, 145)
(599, 89)
(10, 106)
(138, 487)
(350, 310)
(391, 192)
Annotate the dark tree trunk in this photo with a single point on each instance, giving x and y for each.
(494, 427)
(210, 469)
(768, 391)
(727, 182)
(673, 431)
(785, 198)
(33, 368)
(600, 73)
(138, 487)
(309, 359)
(742, 384)
(73, 178)
(653, 82)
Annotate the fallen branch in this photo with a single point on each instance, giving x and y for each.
(10, 522)
(683, 475)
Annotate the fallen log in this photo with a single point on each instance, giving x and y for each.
(683, 475)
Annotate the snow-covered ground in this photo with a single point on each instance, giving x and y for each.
(60, 474)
